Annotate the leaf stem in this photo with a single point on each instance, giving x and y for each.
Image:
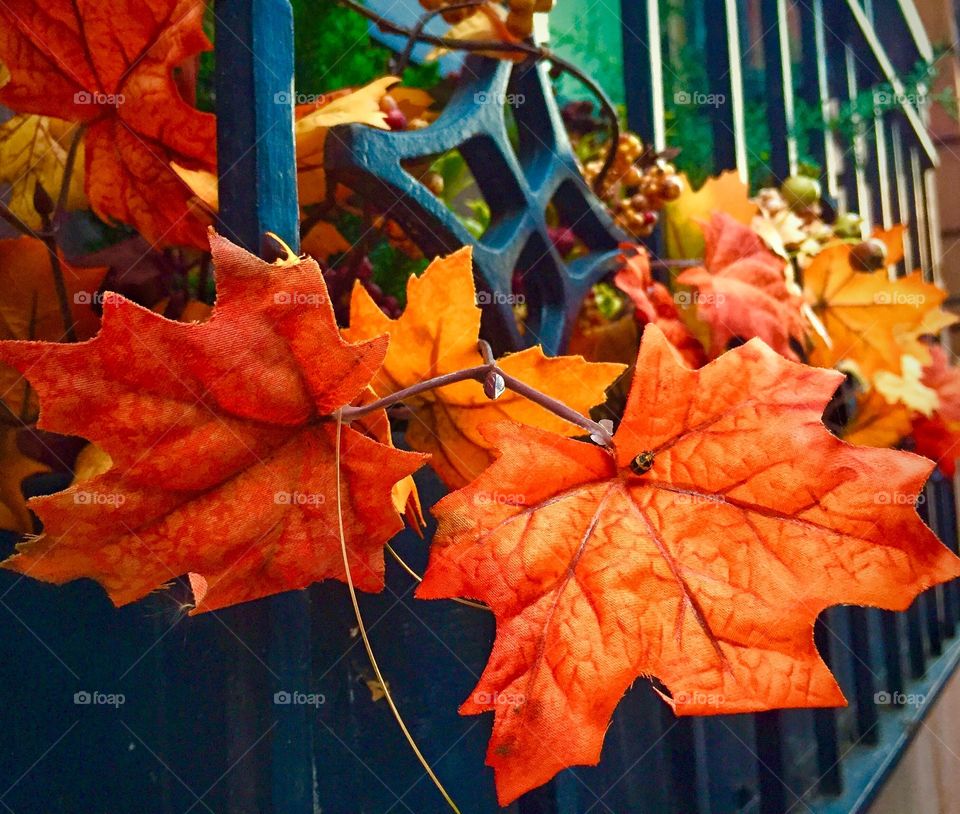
(366, 639)
(479, 373)
(67, 176)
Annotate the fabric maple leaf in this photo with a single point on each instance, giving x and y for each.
(866, 315)
(654, 304)
(939, 440)
(944, 378)
(682, 229)
(877, 422)
(437, 334)
(108, 64)
(743, 292)
(699, 552)
(222, 444)
(938, 436)
(29, 308)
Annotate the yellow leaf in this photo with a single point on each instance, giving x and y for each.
(322, 240)
(377, 690)
(34, 149)
(202, 183)
(359, 107)
(437, 334)
(14, 468)
(877, 423)
(907, 389)
(933, 322)
(682, 217)
(91, 461)
(862, 312)
(487, 23)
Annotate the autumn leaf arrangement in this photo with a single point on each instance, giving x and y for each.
(692, 535)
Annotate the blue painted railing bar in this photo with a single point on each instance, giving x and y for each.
(258, 194)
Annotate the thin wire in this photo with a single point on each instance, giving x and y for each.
(366, 641)
(403, 564)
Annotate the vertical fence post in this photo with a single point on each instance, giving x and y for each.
(643, 69)
(779, 75)
(258, 194)
(726, 79)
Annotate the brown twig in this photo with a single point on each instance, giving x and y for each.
(399, 65)
(479, 373)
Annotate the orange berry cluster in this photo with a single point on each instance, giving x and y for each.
(638, 186)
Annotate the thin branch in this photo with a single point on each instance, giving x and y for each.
(400, 63)
(479, 374)
(475, 373)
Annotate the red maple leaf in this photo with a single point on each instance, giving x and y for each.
(109, 64)
(221, 440)
(700, 552)
(655, 304)
(743, 293)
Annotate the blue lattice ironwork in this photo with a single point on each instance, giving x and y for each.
(517, 184)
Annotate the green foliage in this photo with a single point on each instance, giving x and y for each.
(333, 50)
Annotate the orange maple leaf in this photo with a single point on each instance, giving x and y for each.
(109, 65)
(437, 334)
(725, 193)
(866, 315)
(29, 308)
(700, 552)
(877, 422)
(743, 292)
(221, 441)
(655, 304)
